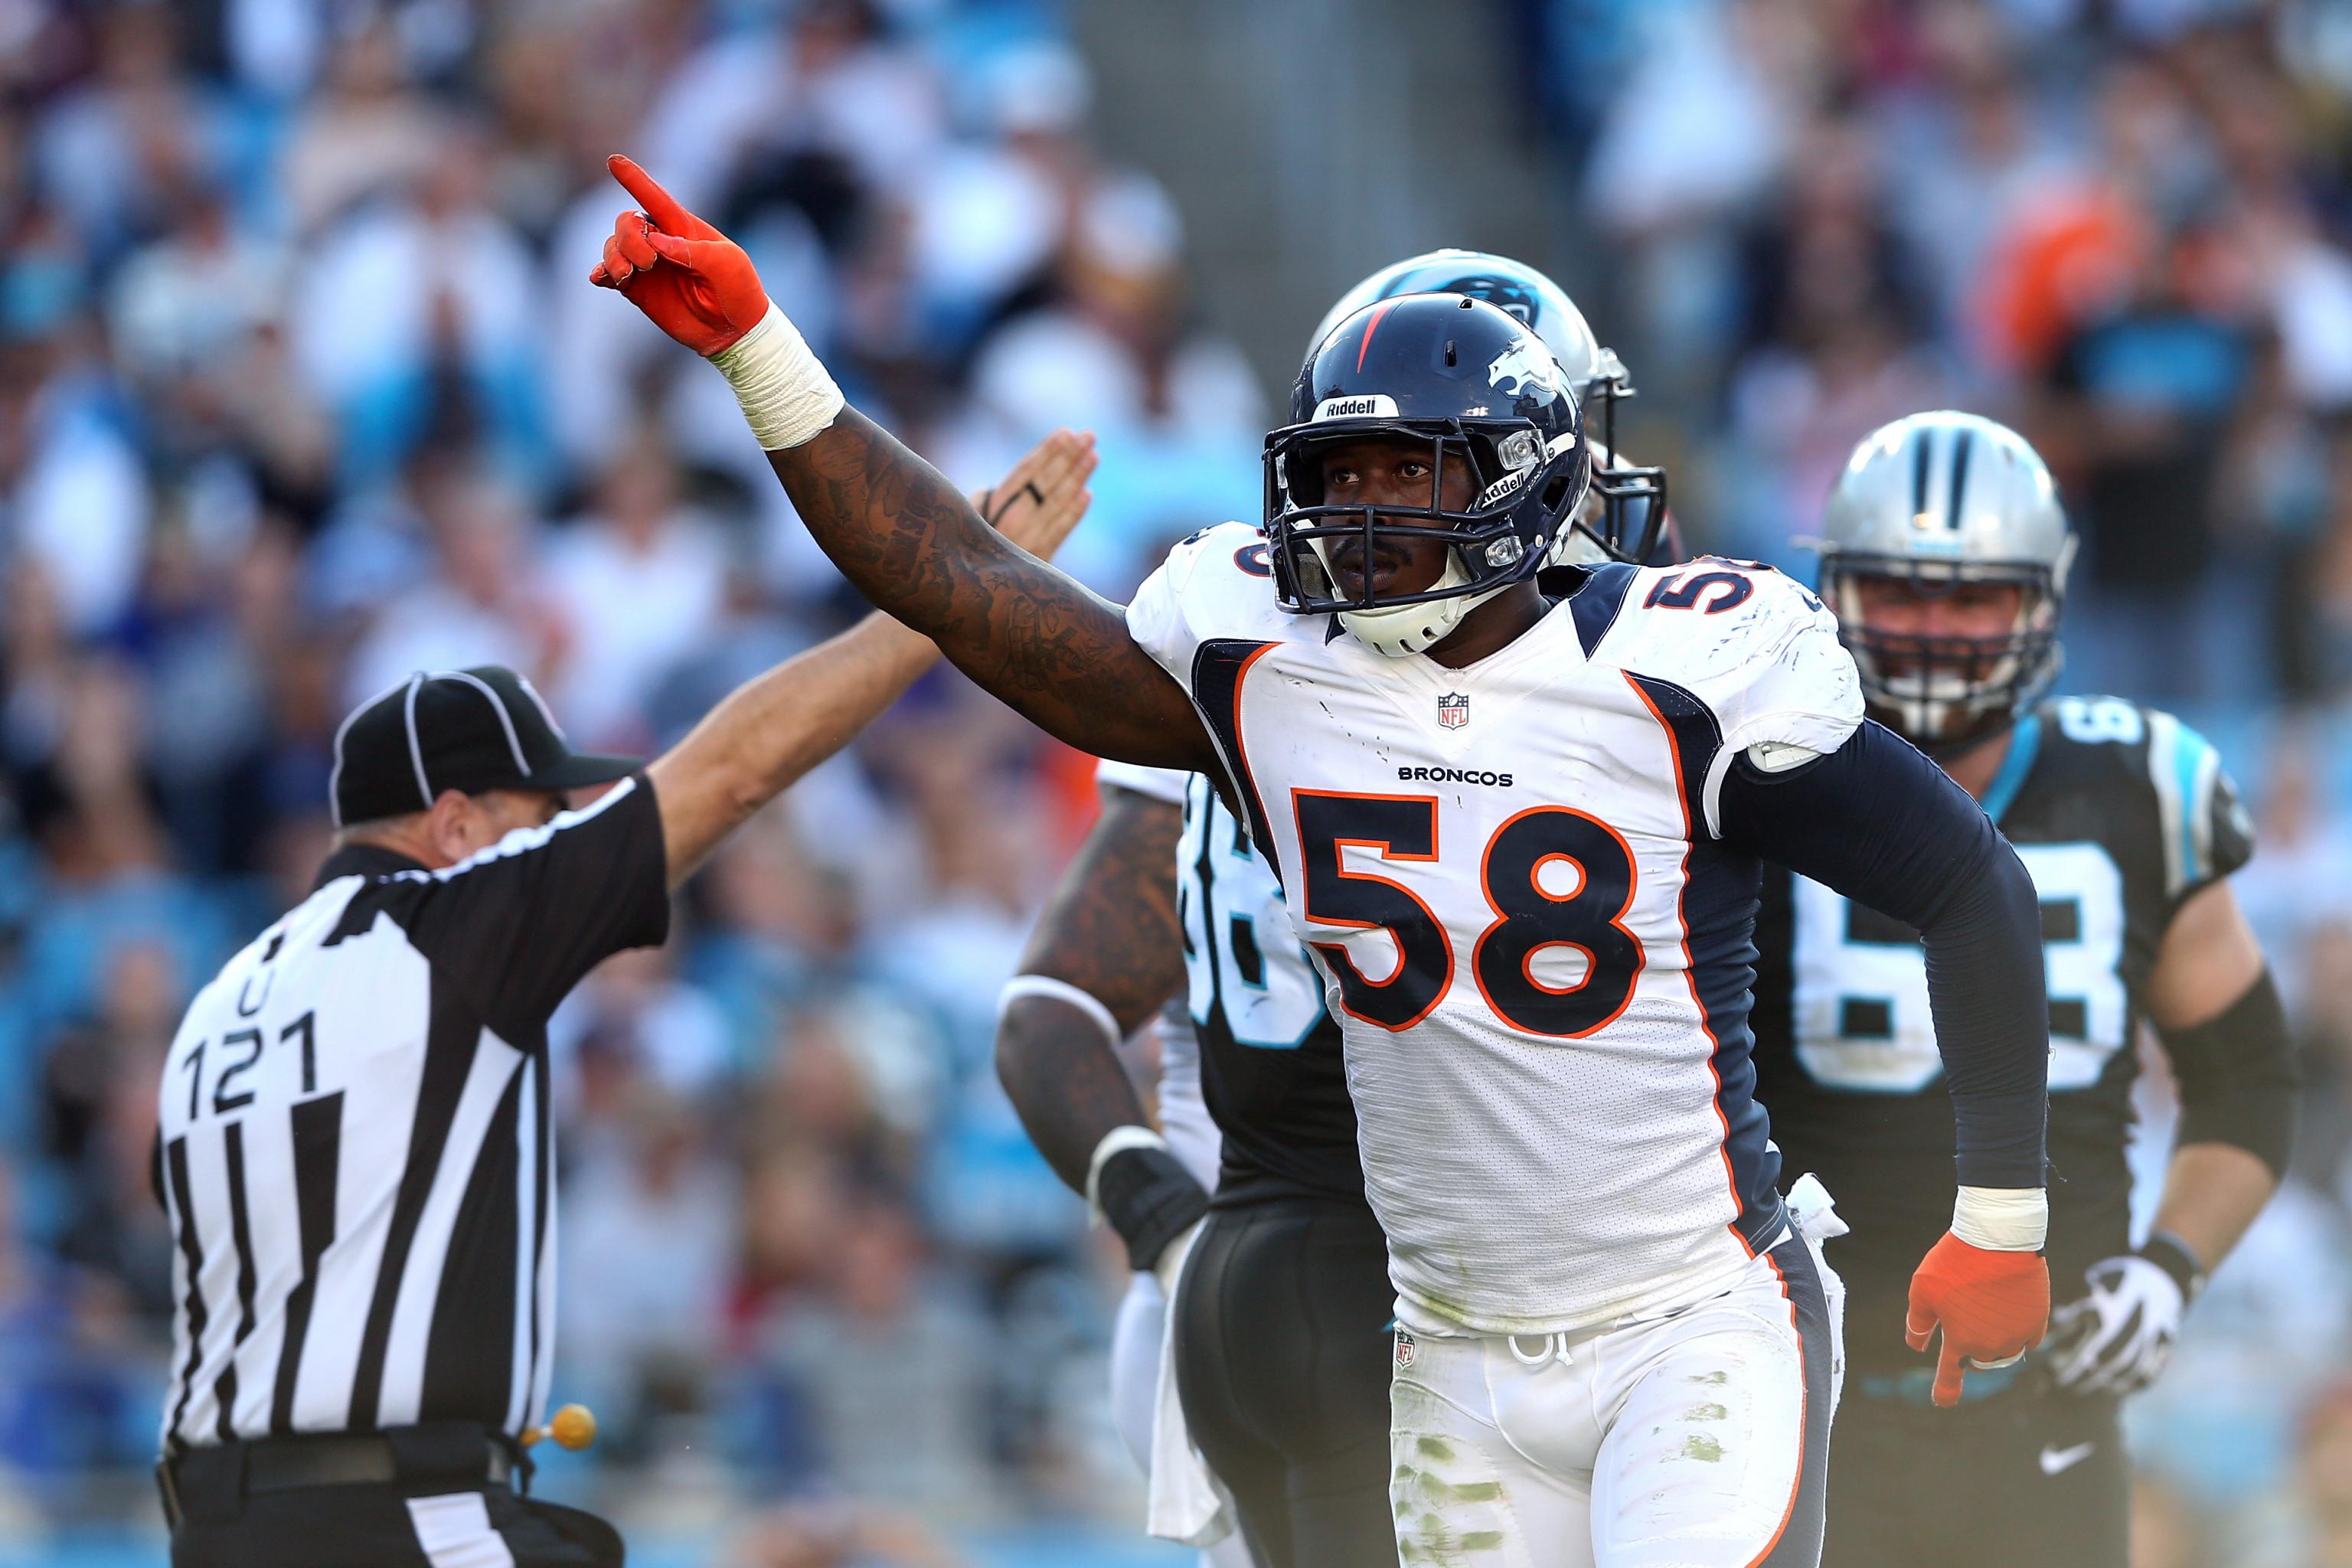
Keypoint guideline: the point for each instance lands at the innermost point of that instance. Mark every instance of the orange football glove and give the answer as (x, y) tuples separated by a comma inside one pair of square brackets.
[(1993, 1307), (694, 282)]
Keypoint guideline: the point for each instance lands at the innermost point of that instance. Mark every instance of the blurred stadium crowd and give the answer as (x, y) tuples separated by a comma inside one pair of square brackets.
[(302, 387)]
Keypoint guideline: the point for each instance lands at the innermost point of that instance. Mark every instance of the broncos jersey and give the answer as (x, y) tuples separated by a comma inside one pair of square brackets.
[(2119, 813), (1536, 946), (1256, 1049)]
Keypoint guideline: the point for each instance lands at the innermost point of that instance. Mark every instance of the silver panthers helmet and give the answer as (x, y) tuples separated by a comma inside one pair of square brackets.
[(1624, 515), (1936, 500)]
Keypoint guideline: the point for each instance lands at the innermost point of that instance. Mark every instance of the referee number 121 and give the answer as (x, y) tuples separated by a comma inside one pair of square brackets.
[(226, 1098)]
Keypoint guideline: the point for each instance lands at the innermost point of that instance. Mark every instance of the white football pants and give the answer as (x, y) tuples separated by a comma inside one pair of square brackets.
[(1697, 1440)]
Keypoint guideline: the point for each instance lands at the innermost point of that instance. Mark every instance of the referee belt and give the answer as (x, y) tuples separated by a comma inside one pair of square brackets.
[(210, 1481)]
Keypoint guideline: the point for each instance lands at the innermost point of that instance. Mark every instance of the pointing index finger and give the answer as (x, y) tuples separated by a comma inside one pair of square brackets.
[(1949, 1378), (658, 204)]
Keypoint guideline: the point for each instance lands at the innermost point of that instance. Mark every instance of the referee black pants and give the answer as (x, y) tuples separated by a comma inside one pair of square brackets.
[(1282, 1359), (428, 1516)]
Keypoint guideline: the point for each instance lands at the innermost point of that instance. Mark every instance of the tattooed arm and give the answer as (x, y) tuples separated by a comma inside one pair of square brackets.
[(1055, 653), (1108, 952), (1058, 655), (1111, 931)]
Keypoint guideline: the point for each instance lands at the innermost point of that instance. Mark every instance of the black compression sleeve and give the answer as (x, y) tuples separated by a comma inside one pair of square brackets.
[(1883, 826), (1150, 1199), (2239, 1083)]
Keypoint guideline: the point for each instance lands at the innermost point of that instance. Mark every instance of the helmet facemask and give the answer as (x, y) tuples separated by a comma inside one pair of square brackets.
[(1943, 693), (1624, 513), (1499, 539)]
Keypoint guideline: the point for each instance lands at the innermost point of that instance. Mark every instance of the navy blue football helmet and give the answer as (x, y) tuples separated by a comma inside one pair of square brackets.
[(1466, 378), (1626, 519)]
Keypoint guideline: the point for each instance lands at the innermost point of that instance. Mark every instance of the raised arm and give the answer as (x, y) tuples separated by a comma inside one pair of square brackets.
[(1882, 824), (1038, 640), (777, 726), (1106, 953)]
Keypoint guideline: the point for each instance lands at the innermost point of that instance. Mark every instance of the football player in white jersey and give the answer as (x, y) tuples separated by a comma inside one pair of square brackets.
[(1521, 837), (1288, 1407)]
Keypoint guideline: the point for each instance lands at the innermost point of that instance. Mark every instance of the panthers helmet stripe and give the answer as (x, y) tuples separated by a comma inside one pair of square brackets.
[(1922, 452), (1371, 325), (1963, 442)]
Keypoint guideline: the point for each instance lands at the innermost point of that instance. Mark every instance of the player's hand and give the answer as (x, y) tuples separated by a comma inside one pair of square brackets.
[(695, 283), (1041, 499), (1992, 1308), (2117, 1339)]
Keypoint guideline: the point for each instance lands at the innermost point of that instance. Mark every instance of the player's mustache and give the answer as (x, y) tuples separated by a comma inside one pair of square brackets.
[(1348, 556)]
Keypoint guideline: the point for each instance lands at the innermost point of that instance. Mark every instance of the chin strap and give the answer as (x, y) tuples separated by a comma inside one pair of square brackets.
[(1400, 630)]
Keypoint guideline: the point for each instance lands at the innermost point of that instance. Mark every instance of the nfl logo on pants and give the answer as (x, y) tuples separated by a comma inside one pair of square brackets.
[(1452, 710)]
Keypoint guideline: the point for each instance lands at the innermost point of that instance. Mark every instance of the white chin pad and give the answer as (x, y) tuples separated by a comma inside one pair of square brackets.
[(1401, 630)]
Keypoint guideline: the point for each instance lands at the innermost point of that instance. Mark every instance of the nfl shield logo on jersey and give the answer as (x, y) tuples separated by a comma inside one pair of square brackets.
[(1452, 710)]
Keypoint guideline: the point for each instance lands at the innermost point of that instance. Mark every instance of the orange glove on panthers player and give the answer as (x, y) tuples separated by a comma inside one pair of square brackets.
[(1992, 1306), (707, 296)]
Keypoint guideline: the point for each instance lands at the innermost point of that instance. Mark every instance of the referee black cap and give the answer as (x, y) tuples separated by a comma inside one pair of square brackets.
[(469, 730)]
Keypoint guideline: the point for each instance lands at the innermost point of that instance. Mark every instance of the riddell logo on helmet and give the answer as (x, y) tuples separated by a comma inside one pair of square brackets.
[(1507, 486), (1371, 405)]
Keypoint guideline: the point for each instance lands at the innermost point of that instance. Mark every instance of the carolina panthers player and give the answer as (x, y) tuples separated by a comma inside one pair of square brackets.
[(1520, 835), (1945, 552), (1289, 1407)]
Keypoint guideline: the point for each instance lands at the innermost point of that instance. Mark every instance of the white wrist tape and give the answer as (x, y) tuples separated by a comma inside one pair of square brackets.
[(1118, 1141), (785, 393), (2002, 1220), (1021, 986)]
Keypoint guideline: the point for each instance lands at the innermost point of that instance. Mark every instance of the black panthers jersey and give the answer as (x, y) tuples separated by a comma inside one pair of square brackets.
[(2119, 813), (1271, 1069)]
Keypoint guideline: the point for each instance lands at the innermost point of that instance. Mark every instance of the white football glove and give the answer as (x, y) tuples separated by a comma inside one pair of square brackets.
[(2117, 1340)]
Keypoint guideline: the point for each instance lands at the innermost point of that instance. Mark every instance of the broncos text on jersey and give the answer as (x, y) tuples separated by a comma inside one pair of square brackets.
[(1542, 984), (2119, 813)]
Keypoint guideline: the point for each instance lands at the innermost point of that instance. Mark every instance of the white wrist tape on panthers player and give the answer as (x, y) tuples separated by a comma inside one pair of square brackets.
[(1118, 1141), (785, 392), (2002, 1220), (1021, 986)]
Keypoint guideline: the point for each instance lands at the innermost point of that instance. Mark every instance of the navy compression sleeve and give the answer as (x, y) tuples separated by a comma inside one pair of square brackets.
[(1883, 826)]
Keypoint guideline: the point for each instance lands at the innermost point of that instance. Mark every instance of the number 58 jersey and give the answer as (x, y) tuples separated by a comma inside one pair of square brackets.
[(1536, 944)]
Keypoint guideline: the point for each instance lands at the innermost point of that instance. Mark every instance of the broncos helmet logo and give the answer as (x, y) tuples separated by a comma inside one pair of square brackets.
[(1525, 366)]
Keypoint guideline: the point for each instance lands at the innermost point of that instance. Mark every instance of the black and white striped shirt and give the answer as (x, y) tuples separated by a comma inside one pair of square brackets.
[(355, 1149)]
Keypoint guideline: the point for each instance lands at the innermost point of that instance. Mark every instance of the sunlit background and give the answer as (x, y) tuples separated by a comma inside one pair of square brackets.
[(303, 387)]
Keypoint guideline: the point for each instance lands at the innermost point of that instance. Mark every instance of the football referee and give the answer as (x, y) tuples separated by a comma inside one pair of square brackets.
[(353, 1151)]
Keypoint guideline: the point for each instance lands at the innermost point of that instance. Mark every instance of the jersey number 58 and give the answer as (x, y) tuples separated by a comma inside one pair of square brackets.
[(1588, 915)]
